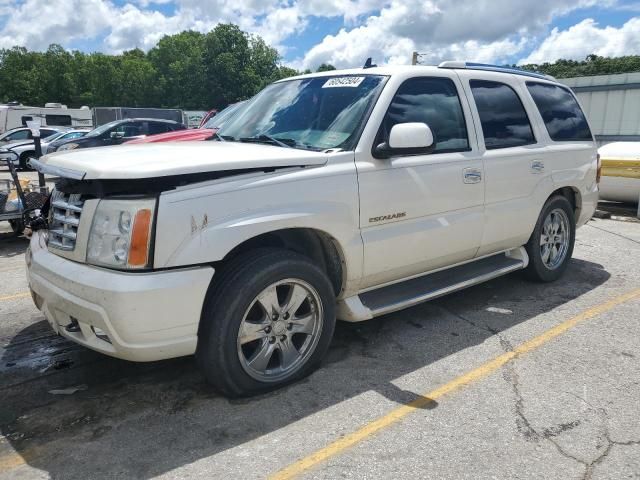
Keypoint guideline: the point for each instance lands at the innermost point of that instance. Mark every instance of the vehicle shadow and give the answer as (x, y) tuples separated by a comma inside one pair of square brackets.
[(141, 420), (12, 245)]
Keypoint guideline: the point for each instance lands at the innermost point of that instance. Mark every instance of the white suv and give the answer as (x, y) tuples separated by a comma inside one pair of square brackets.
[(344, 194)]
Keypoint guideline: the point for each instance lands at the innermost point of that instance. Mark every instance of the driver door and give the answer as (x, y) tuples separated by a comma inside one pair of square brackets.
[(422, 212)]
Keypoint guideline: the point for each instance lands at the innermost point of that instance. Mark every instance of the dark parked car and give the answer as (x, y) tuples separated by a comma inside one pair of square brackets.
[(117, 132), (204, 132)]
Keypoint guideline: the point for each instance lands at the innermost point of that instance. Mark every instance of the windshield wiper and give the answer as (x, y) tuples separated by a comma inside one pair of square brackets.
[(222, 138), (263, 138)]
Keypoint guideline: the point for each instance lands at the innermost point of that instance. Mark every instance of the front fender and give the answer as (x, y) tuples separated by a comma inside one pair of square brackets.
[(203, 224)]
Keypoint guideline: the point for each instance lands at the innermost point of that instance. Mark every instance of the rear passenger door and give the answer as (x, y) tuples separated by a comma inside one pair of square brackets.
[(420, 212), (513, 159)]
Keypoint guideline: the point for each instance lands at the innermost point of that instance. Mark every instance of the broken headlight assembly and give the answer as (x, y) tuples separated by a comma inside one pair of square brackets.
[(121, 232)]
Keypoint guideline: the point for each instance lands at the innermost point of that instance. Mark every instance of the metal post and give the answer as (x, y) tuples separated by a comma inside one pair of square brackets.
[(34, 126), (414, 58), (41, 182)]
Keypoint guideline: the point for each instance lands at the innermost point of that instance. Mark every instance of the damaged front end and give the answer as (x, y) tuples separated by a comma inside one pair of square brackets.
[(110, 223)]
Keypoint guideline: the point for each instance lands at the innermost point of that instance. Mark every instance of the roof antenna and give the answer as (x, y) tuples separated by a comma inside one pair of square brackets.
[(369, 64)]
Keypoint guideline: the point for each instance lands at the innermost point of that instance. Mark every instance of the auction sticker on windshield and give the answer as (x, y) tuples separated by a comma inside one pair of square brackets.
[(343, 82)]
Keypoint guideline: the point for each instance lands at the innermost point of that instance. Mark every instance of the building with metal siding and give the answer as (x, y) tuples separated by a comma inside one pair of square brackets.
[(612, 104)]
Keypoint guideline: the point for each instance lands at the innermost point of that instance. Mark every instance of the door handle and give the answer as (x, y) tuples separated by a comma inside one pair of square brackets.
[(537, 166), (472, 175)]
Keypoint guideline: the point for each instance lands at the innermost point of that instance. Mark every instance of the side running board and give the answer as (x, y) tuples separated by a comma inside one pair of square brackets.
[(411, 292)]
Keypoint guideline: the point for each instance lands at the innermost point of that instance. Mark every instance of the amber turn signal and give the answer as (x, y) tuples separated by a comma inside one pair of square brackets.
[(139, 249)]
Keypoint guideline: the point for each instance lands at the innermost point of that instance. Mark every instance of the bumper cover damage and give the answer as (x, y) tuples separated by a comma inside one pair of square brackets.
[(134, 316)]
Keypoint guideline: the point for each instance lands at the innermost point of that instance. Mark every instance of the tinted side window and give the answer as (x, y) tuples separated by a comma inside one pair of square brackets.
[(155, 128), (129, 129), (504, 120), (561, 113), (433, 101), (62, 120)]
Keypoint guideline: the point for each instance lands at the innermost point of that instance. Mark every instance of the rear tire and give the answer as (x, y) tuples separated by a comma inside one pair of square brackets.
[(268, 321), (551, 244)]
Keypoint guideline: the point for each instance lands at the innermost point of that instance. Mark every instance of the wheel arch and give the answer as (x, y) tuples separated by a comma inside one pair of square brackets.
[(322, 248), (572, 194)]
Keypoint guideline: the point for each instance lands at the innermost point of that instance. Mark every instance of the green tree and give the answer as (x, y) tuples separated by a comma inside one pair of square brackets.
[(591, 65), (179, 63), (325, 67)]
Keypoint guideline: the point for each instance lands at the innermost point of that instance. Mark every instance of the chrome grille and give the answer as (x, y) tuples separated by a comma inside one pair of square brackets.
[(64, 218)]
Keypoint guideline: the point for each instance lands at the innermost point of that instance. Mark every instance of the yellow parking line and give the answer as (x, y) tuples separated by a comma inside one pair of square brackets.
[(14, 296), (13, 460), (474, 375)]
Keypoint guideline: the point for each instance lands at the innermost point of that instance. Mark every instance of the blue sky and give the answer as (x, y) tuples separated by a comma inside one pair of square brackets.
[(342, 32)]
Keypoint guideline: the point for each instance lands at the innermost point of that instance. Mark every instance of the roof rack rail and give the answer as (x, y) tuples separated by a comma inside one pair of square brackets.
[(493, 68)]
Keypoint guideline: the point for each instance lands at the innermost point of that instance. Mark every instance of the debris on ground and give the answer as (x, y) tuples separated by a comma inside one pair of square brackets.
[(69, 390), (503, 311)]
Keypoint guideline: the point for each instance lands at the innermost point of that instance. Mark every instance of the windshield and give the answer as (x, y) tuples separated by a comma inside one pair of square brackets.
[(96, 132), (314, 113), (225, 114), (55, 136)]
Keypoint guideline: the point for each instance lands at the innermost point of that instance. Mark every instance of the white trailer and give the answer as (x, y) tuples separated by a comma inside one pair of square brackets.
[(51, 115)]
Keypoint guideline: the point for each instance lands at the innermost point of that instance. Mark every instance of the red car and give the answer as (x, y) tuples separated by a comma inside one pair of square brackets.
[(205, 132)]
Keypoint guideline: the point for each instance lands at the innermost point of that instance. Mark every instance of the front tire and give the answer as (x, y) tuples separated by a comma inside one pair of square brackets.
[(551, 244), (17, 226), (25, 164), (267, 321)]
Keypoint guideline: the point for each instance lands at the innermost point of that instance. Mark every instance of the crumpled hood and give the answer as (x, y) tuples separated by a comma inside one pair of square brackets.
[(168, 159)]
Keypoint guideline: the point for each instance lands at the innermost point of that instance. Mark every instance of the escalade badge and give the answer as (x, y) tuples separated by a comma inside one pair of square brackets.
[(391, 216)]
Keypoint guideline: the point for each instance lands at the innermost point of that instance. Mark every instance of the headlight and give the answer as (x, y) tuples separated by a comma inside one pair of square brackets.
[(68, 146), (120, 235)]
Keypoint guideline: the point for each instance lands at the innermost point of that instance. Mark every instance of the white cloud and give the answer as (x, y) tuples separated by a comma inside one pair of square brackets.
[(481, 30), (586, 38), (37, 24), (132, 27)]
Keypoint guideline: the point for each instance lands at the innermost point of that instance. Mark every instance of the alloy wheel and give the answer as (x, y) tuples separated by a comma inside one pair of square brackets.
[(555, 238), (280, 330)]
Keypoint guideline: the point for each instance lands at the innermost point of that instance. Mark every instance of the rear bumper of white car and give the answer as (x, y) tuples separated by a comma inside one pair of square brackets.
[(133, 316)]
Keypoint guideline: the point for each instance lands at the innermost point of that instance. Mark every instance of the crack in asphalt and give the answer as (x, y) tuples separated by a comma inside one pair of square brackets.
[(613, 233), (523, 424)]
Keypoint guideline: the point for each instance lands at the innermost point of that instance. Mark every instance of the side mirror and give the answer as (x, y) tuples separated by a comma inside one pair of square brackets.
[(117, 135), (407, 139)]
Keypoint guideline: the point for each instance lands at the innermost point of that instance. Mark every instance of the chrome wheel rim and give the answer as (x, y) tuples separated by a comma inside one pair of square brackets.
[(554, 239), (280, 330)]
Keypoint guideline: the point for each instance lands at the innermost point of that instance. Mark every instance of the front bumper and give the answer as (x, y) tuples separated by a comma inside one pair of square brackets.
[(146, 316), (13, 157)]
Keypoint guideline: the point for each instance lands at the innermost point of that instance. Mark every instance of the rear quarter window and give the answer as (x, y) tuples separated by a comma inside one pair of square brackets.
[(560, 112)]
